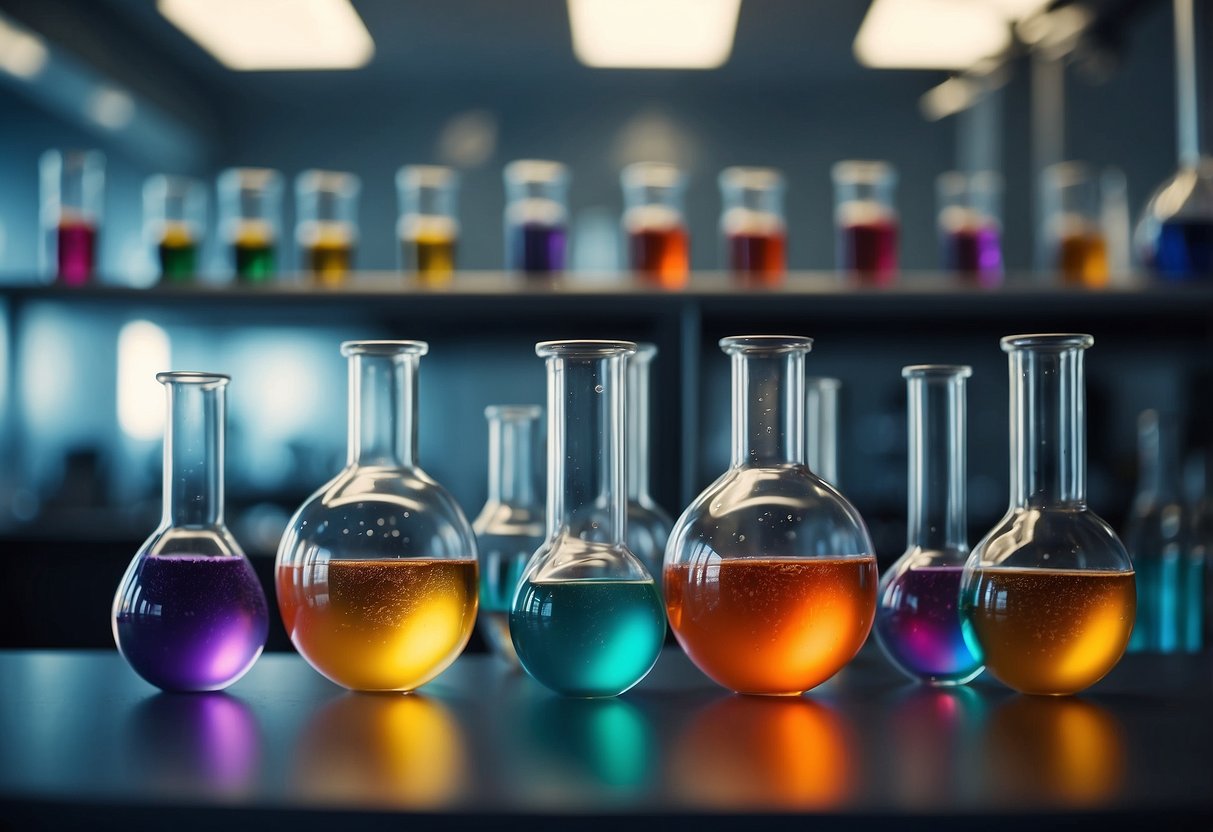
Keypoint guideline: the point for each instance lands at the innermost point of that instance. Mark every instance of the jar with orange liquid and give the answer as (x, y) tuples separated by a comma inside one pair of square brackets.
[(770, 576), (752, 225), (327, 230), (654, 224), (1048, 597), (1078, 250), (376, 573)]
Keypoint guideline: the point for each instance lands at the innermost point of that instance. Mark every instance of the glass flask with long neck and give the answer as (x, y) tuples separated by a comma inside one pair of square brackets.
[(770, 576), (1158, 538), (648, 524), (377, 575), (190, 614), (587, 619), (918, 620), (821, 419), (1048, 596), (510, 526)]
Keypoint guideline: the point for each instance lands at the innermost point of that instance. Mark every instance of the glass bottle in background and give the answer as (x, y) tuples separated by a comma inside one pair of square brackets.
[(970, 226), (1157, 538), (654, 223), (648, 524), (918, 617), (429, 221), (1072, 225), (866, 221), (752, 224), (326, 223), (174, 222), (73, 201), (1198, 586), (821, 420), (376, 573), (536, 216), (587, 619), (770, 576), (1048, 595), (250, 219), (510, 526), (190, 614)]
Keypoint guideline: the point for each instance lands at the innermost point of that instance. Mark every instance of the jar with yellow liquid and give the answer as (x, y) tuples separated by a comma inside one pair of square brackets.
[(326, 207), (429, 222), (1048, 597), (376, 573)]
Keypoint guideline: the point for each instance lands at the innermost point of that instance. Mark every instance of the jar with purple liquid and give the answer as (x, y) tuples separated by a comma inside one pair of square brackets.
[(190, 614), (970, 232), (917, 617), (536, 216)]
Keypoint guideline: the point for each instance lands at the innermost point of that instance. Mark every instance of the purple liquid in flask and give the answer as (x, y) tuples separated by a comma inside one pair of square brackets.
[(540, 248)]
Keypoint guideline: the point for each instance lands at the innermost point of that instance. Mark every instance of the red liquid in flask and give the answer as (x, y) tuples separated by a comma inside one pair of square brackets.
[(758, 256), (660, 254), (867, 248), (77, 245)]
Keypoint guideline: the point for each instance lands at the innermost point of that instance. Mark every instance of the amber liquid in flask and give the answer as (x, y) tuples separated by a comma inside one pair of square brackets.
[(658, 242), (1048, 596), (770, 580), (377, 575)]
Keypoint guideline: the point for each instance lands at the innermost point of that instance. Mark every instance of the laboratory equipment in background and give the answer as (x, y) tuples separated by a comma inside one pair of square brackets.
[(174, 224), (821, 422), (1048, 595), (770, 576), (1199, 588), (250, 221), (970, 225), (648, 523), (376, 573), (428, 227), (866, 221), (326, 223), (587, 620), (1170, 579), (918, 615), (509, 529), (752, 225), (1072, 229), (536, 216), (654, 224), (190, 614), (72, 184)]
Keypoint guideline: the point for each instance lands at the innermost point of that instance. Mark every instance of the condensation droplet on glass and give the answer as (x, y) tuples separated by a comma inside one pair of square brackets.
[(741, 538), (370, 532), (380, 521), (597, 388)]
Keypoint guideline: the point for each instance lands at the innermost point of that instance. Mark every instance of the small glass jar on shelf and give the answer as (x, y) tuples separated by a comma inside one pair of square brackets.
[(752, 225), (250, 222), (326, 226), (654, 224), (970, 226), (428, 227), (536, 217), (174, 223), (1072, 230), (73, 203), (866, 221)]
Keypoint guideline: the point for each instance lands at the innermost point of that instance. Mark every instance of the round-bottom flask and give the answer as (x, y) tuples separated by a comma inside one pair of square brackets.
[(918, 616), (587, 619), (1048, 596), (377, 575), (1175, 234), (770, 579), (190, 614)]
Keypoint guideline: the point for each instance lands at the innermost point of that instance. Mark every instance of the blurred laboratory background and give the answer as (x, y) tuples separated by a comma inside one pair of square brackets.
[(239, 185)]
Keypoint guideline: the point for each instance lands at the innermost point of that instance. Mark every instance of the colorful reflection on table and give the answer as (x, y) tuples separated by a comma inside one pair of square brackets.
[(934, 734)]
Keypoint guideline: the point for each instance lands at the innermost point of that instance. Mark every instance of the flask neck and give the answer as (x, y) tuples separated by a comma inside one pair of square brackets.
[(821, 451), (586, 496), (511, 460), (1048, 427), (193, 453), (637, 427), (383, 410), (936, 518), (1159, 474), (768, 408)]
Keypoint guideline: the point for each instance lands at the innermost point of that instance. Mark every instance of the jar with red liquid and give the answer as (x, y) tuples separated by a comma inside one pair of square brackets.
[(326, 224), (970, 231), (866, 221), (174, 224), (73, 197), (250, 222), (770, 575), (1074, 240), (654, 224), (536, 216), (752, 224)]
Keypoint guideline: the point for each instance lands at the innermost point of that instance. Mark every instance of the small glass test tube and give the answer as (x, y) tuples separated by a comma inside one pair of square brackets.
[(654, 224), (752, 224), (970, 227), (326, 228), (174, 223), (1072, 228), (536, 216), (866, 220), (250, 219), (73, 195), (429, 222)]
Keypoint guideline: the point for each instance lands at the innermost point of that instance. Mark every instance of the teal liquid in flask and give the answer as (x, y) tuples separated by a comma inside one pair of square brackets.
[(587, 619)]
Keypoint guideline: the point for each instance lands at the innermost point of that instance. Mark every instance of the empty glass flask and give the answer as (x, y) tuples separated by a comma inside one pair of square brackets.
[(377, 575), (648, 523), (770, 576), (190, 614)]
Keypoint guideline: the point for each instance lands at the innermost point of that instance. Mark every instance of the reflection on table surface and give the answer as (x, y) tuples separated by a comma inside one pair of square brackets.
[(81, 726)]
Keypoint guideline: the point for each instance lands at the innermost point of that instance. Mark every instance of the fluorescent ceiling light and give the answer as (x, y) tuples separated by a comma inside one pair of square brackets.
[(1018, 9), (930, 34), (22, 53), (653, 34), (275, 34)]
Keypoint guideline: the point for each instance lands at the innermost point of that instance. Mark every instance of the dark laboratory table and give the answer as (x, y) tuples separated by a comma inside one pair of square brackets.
[(84, 743)]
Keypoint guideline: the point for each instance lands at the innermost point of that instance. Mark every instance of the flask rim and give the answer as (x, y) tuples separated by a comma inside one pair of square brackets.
[(822, 383), (584, 349), (937, 371), (737, 344), (350, 348), (513, 411), (204, 379), (1048, 341)]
